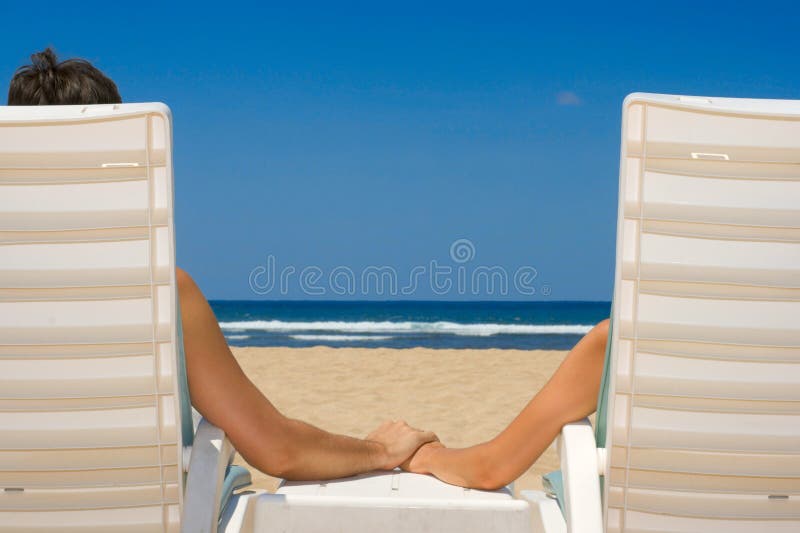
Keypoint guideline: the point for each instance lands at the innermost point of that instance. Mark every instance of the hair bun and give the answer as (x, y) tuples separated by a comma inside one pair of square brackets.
[(44, 61)]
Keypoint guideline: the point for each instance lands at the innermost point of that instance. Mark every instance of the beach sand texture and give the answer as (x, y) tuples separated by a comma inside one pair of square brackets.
[(465, 396)]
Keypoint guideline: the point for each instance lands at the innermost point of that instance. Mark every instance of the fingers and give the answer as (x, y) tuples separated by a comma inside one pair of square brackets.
[(427, 436), (422, 435), (400, 441)]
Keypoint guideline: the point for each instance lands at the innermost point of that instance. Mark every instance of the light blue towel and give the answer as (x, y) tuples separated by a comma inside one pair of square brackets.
[(187, 428)]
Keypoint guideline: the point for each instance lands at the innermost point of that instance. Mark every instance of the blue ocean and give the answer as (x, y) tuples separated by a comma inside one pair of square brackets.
[(408, 324)]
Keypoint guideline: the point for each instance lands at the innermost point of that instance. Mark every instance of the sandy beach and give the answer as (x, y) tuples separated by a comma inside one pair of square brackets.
[(465, 396)]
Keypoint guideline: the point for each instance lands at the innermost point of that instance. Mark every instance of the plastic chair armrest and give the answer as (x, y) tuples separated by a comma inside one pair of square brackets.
[(546, 517), (211, 454), (583, 508)]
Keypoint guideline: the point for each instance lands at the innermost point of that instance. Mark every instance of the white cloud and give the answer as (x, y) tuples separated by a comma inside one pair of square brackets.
[(568, 98)]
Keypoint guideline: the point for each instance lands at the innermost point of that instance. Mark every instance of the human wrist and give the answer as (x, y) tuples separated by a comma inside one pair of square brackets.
[(425, 458), (378, 454)]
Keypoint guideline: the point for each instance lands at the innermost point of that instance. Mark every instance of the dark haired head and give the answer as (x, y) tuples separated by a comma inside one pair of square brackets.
[(47, 82)]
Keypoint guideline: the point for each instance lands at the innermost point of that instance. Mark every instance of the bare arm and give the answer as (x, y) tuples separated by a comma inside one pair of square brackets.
[(271, 442), (571, 394)]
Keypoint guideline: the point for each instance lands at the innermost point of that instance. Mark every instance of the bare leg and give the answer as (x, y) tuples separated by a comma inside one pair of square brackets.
[(266, 439), (570, 395)]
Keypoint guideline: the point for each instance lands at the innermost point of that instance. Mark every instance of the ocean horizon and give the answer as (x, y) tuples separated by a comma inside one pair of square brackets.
[(408, 323)]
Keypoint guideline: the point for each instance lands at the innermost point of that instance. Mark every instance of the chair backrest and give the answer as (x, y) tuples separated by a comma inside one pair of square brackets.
[(89, 415), (704, 416)]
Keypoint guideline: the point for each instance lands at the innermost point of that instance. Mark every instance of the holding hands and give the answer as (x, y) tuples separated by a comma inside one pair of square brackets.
[(399, 442), (419, 462)]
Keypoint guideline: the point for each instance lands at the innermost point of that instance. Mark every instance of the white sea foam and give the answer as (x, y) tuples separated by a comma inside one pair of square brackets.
[(447, 328), (237, 337), (341, 338)]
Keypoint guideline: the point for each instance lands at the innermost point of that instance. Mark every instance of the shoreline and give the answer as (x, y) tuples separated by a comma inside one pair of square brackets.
[(352, 390)]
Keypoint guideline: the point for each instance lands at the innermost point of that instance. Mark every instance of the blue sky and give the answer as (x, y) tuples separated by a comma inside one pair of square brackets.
[(361, 134)]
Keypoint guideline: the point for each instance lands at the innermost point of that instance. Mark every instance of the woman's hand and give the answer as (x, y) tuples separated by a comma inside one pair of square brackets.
[(420, 462), (399, 442)]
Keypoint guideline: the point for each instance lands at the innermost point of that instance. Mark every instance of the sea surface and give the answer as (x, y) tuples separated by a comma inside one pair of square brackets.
[(406, 324)]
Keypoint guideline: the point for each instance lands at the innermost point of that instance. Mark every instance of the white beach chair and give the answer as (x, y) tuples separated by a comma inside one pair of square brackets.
[(703, 368), (390, 502), (95, 421)]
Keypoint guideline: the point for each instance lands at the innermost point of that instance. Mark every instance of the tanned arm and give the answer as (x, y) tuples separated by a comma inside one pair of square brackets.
[(570, 395), (269, 441)]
